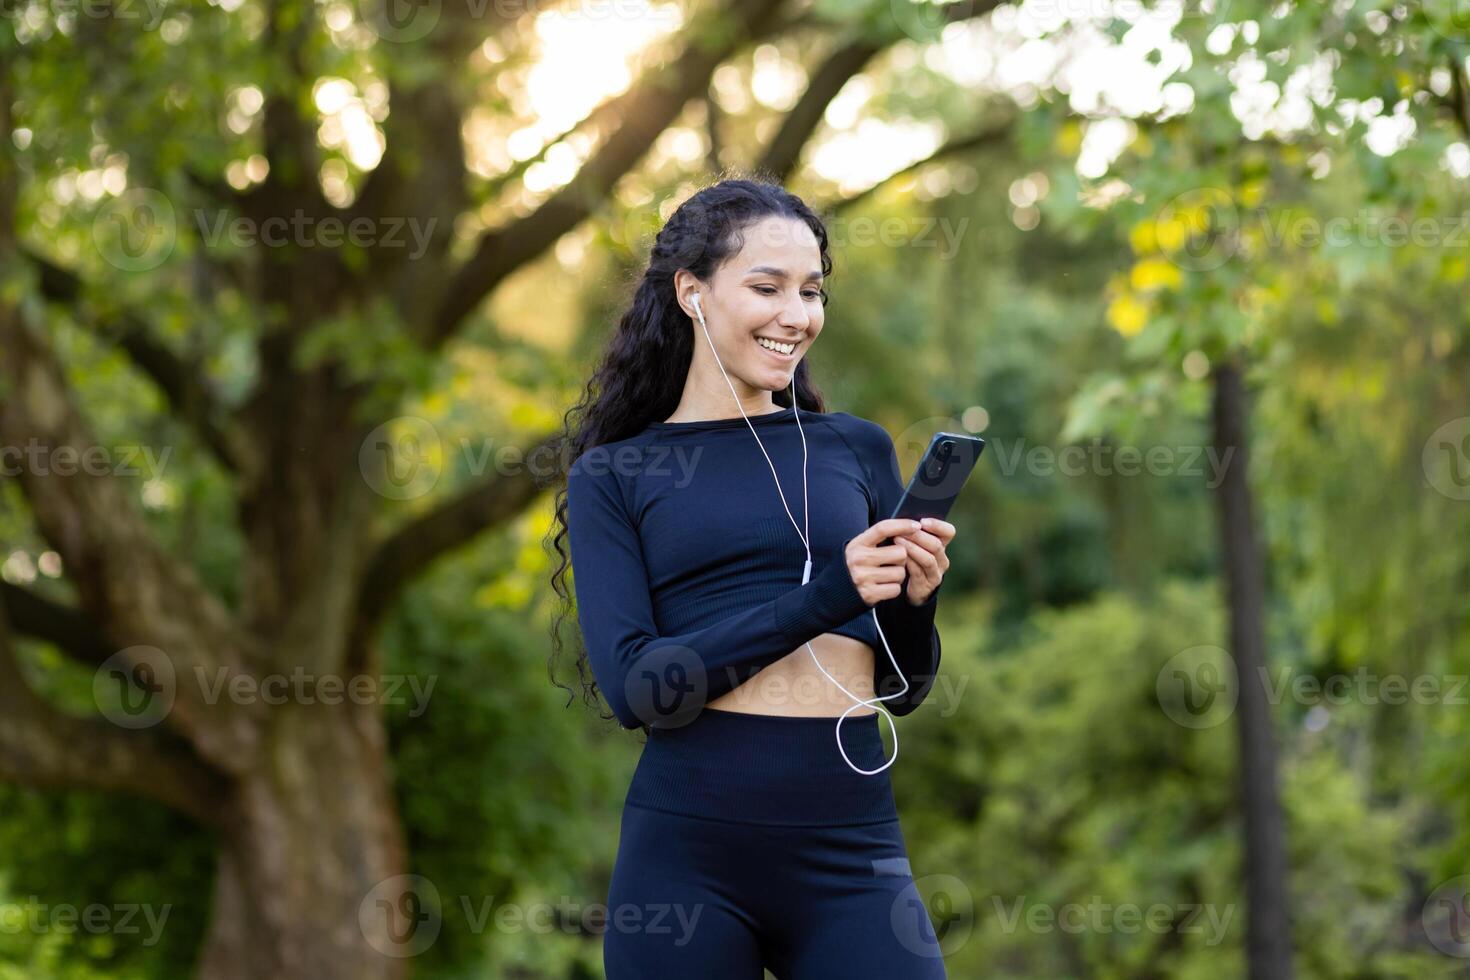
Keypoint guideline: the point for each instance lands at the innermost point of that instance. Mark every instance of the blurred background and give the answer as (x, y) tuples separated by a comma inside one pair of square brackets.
[(293, 296)]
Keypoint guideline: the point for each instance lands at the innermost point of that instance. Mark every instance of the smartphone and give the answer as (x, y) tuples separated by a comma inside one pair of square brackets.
[(941, 473)]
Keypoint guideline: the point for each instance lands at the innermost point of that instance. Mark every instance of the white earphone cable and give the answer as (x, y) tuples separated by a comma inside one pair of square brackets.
[(807, 569)]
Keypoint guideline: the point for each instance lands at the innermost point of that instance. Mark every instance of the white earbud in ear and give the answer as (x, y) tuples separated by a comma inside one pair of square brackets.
[(694, 298)]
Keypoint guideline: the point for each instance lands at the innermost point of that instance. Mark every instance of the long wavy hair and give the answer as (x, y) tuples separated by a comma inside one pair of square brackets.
[(640, 376)]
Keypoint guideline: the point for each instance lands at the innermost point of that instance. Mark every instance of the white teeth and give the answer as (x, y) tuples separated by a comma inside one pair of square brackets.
[(773, 345)]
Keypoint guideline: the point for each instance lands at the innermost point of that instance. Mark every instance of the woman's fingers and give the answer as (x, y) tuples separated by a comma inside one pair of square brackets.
[(890, 528), (922, 557), (927, 541), (940, 529)]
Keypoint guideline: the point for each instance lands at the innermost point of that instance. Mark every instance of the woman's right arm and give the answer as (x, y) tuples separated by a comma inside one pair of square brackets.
[(660, 680)]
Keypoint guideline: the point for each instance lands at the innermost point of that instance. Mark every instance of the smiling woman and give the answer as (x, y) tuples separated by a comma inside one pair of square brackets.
[(699, 599), (767, 296)]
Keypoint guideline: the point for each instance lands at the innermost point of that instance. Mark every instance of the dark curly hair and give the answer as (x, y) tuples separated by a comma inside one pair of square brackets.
[(640, 378)]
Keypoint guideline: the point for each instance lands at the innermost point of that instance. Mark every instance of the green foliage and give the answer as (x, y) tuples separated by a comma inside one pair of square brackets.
[(510, 794), (97, 887), (1046, 777)]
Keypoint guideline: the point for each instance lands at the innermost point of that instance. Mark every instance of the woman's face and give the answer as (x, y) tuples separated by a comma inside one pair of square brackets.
[(766, 293)]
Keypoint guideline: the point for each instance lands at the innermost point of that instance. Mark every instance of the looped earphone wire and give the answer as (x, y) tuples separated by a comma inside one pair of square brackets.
[(807, 569)]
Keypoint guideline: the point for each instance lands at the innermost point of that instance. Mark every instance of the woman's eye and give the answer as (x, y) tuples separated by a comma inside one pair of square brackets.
[(770, 291)]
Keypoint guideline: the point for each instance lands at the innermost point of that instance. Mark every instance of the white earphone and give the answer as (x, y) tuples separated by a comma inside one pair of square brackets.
[(806, 571)]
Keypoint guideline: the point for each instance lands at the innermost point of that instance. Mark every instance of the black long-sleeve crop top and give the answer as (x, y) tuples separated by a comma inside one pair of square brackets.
[(687, 570)]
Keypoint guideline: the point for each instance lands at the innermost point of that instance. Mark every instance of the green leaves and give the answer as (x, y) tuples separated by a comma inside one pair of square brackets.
[(372, 344)]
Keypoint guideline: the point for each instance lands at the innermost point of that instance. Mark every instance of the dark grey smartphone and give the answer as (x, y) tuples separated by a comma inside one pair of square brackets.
[(940, 475)]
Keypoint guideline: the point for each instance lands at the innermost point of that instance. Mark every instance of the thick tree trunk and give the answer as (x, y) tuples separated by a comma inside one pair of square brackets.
[(308, 885), (1268, 925)]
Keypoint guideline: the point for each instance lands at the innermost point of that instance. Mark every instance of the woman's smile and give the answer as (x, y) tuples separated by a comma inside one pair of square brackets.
[(783, 352)]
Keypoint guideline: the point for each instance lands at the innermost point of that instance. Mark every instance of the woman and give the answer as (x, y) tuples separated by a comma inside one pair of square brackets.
[(721, 611)]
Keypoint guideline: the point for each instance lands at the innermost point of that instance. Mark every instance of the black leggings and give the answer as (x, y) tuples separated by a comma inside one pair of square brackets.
[(747, 844)]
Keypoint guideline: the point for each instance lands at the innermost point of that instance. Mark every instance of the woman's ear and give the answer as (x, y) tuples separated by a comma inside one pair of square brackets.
[(686, 287)]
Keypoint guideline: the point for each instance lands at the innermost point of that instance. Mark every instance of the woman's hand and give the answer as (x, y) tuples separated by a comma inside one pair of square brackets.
[(877, 569), (925, 558), (918, 552)]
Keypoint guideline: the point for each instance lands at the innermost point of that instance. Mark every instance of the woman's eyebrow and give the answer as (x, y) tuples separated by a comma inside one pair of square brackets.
[(779, 273)]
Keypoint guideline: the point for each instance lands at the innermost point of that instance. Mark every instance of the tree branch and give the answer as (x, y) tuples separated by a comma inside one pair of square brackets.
[(605, 115), (845, 61), (69, 629), (189, 394), (712, 130), (43, 748), (422, 173), (217, 191), (411, 549), (955, 146), (1459, 100), (9, 175), (421, 177), (128, 585), (290, 139), (652, 104)]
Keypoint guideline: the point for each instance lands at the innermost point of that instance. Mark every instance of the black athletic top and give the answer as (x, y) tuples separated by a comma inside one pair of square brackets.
[(687, 569)]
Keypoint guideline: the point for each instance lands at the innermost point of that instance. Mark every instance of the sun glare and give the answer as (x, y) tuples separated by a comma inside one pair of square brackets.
[(587, 57)]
